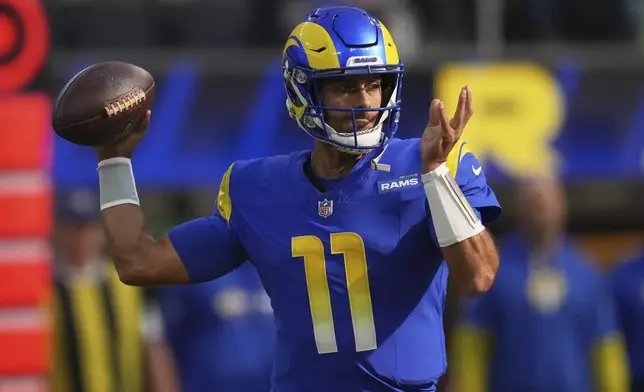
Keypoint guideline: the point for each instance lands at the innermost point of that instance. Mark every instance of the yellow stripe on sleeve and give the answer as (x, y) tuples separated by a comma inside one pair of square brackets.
[(224, 203), (470, 359), (610, 365)]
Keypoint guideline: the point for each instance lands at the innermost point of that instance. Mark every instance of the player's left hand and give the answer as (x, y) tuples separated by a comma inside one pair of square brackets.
[(441, 134)]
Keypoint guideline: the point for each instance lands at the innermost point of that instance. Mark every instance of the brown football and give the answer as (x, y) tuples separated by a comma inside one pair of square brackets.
[(103, 103)]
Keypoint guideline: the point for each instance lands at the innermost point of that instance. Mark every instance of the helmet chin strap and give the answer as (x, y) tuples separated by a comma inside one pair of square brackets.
[(347, 150), (356, 151), (337, 137)]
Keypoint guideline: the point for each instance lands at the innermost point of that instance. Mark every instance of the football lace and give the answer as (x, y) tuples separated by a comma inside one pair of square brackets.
[(126, 102)]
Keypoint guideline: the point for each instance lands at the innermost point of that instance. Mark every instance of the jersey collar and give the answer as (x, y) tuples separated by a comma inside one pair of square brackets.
[(347, 186)]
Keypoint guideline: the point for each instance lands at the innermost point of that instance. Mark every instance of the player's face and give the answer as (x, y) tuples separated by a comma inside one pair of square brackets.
[(542, 208), (359, 92)]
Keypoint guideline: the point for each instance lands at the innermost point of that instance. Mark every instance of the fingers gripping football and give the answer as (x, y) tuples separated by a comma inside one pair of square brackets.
[(126, 146)]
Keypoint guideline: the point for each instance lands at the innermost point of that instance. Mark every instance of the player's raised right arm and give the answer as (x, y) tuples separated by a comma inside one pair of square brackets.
[(138, 258), (196, 251)]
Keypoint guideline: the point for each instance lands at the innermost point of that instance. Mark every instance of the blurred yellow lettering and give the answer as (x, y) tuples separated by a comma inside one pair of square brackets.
[(518, 110)]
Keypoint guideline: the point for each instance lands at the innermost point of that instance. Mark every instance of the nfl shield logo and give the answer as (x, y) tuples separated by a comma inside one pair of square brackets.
[(325, 208)]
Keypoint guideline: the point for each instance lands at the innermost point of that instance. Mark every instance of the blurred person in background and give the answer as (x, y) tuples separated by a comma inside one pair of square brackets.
[(548, 323), (627, 281), (222, 333), (105, 338)]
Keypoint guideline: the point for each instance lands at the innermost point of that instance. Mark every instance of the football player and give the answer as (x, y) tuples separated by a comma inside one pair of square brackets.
[(353, 240), (627, 284)]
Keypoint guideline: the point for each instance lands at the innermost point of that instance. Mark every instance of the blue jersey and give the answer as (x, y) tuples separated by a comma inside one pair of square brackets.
[(543, 320), (628, 287), (356, 278), (221, 333)]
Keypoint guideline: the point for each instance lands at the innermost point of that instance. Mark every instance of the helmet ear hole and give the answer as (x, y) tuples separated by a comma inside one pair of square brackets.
[(295, 98)]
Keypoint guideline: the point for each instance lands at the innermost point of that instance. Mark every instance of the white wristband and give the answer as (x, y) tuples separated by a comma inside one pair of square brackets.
[(116, 181), (453, 217)]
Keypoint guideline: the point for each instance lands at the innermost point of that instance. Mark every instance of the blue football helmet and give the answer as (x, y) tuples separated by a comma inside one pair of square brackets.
[(335, 42)]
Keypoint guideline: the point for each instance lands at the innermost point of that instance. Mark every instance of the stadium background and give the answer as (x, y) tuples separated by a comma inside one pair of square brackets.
[(554, 89)]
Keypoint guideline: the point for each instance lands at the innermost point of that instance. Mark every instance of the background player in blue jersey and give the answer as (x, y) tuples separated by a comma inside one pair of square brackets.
[(221, 332), (352, 240), (549, 323), (627, 283)]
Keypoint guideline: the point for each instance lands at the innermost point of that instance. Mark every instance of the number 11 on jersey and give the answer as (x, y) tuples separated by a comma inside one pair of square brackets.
[(351, 246)]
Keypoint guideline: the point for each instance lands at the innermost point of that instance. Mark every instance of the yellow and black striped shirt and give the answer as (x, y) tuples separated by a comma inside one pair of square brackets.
[(97, 343)]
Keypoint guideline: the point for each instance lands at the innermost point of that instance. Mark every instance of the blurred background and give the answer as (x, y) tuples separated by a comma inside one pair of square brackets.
[(559, 128)]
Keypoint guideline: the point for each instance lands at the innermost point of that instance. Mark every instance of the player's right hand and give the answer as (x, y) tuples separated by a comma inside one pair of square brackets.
[(125, 147), (441, 134)]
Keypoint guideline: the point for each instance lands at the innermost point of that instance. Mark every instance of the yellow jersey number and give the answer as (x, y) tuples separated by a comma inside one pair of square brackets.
[(351, 246)]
